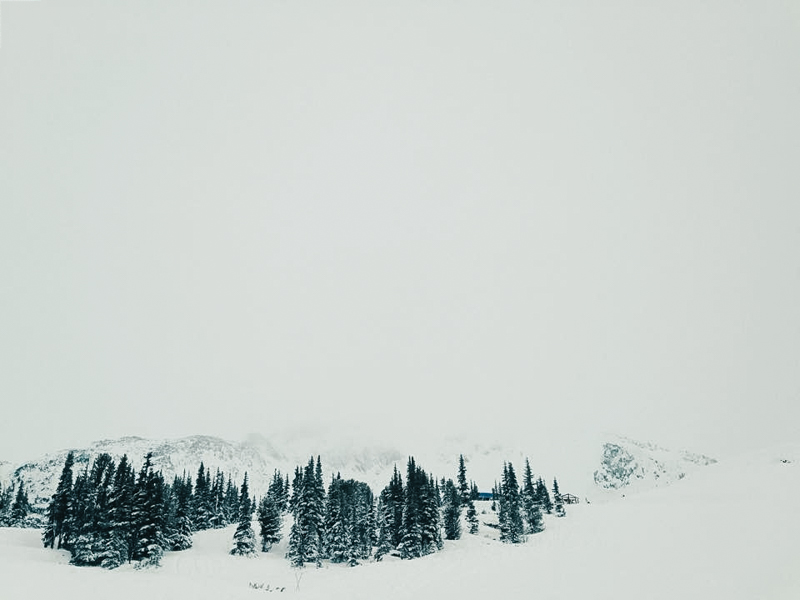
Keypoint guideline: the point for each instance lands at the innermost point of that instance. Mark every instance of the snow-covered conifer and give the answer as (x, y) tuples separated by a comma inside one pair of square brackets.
[(452, 511), (270, 522), (57, 510), (244, 539), (530, 502)]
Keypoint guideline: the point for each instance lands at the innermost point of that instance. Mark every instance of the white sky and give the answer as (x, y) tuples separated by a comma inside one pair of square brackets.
[(237, 216)]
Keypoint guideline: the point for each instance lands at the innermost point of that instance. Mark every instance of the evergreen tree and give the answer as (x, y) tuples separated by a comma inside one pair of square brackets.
[(431, 517), (276, 491), (21, 506), (316, 513), (57, 511), (147, 515), (472, 517), (544, 496), (91, 517), (421, 528), (308, 498), (463, 486), (396, 503), (510, 519), (558, 501), (107, 553), (452, 510), (411, 544), (298, 545), (220, 516), (120, 506), (391, 503), (384, 512), (180, 528), (350, 521), (338, 532), (244, 540), (231, 502), (530, 502), (270, 522), (468, 494), (76, 510), (202, 502), (5, 509), (297, 489)]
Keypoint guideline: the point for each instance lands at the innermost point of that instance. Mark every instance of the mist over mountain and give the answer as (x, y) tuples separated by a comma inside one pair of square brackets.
[(595, 467)]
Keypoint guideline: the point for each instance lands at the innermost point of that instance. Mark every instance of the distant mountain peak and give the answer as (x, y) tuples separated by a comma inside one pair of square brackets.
[(634, 464)]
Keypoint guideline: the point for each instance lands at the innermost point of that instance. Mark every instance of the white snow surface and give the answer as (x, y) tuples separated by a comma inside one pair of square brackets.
[(728, 531)]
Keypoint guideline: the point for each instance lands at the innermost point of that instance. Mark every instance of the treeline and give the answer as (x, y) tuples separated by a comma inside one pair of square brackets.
[(15, 509), (520, 507), (110, 515)]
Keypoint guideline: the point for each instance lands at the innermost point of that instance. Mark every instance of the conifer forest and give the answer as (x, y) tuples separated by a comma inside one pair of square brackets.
[(110, 513)]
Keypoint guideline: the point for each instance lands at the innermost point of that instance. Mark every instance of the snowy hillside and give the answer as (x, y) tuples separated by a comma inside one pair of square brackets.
[(173, 457), (707, 536), (590, 466), (627, 463)]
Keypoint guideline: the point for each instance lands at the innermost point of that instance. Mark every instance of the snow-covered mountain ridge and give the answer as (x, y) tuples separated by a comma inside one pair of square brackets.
[(598, 468), (629, 463)]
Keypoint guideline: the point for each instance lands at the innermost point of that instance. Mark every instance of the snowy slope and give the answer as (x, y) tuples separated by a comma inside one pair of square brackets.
[(170, 456), (589, 466), (727, 531)]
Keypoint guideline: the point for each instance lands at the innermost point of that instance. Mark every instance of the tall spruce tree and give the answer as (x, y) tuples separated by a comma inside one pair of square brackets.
[(202, 502), (510, 519), (452, 511), (91, 524), (5, 508), (20, 507), (308, 497), (468, 495), (544, 496), (297, 489), (432, 523), (530, 502), (411, 544), (180, 530), (270, 522), (57, 510), (558, 501), (349, 521), (472, 517), (338, 527), (147, 516), (244, 539), (391, 504), (276, 491), (421, 527), (463, 486), (384, 545), (220, 515), (107, 551), (120, 507)]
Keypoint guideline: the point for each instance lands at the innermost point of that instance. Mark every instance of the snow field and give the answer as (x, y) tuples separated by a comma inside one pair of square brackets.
[(731, 531)]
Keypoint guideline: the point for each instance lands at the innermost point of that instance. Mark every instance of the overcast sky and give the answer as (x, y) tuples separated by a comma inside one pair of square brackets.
[(237, 216)]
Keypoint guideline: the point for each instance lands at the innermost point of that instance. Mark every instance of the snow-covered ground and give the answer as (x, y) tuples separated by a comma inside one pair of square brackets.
[(729, 531)]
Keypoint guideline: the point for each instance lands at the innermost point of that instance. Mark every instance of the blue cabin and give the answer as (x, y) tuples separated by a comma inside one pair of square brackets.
[(485, 496)]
